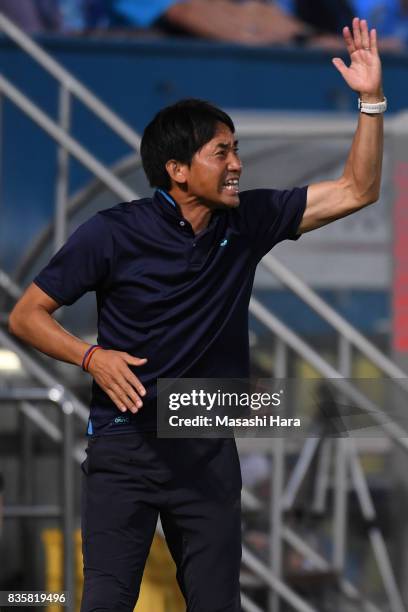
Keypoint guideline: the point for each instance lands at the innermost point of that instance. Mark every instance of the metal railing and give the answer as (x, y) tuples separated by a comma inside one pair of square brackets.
[(349, 334), (66, 510), (70, 83), (64, 140), (69, 87), (75, 203), (347, 461)]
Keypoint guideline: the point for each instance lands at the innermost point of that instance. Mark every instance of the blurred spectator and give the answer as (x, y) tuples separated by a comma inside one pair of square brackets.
[(33, 16), (327, 18), (248, 22), (254, 22), (389, 17), (324, 15), (136, 13), (73, 18)]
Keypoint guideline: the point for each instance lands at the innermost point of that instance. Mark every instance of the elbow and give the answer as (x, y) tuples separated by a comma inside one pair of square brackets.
[(366, 197), (375, 197), (370, 198), (360, 195), (372, 194), (15, 323), (12, 323)]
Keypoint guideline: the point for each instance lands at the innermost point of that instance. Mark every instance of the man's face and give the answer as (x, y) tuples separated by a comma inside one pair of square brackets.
[(213, 176)]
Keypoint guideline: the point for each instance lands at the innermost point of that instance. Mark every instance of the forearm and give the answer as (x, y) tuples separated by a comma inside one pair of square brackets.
[(44, 333), (247, 23), (32, 321), (197, 17), (363, 167)]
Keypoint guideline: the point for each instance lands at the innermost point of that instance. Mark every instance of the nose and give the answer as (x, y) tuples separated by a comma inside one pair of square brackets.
[(234, 162)]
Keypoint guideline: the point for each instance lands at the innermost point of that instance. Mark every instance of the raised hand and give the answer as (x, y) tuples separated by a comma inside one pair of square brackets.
[(110, 369), (364, 73)]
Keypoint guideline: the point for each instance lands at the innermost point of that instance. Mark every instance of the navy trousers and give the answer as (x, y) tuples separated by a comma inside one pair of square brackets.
[(194, 486)]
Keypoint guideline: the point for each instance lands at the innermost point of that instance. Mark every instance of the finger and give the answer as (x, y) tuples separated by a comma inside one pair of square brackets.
[(340, 65), (348, 40), (365, 38), (132, 395), (124, 399), (116, 400), (137, 361), (373, 40), (134, 381), (357, 33)]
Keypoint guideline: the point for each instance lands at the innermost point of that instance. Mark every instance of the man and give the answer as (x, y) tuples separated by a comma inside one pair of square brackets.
[(173, 277)]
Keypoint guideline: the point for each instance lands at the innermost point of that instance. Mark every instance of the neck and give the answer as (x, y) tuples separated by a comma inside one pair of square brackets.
[(194, 211)]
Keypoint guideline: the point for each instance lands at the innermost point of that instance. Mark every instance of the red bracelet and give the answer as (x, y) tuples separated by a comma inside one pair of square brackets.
[(88, 356)]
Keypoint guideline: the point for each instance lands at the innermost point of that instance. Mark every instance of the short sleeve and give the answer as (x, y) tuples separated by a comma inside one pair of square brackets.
[(83, 264), (271, 216)]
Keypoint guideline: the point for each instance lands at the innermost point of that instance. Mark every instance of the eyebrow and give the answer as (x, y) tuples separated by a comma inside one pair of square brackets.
[(226, 145)]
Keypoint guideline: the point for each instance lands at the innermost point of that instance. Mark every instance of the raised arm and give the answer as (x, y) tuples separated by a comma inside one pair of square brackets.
[(360, 183)]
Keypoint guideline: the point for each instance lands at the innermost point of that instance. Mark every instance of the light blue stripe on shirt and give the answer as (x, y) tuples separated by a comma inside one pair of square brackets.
[(140, 12), (168, 197)]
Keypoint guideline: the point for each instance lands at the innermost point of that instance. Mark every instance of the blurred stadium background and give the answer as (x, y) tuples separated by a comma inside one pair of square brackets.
[(325, 518)]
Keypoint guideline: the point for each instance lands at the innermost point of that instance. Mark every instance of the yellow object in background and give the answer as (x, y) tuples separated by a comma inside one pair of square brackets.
[(159, 590), (52, 540)]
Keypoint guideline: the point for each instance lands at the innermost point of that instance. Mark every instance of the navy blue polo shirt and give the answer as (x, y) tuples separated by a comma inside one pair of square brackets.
[(179, 299)]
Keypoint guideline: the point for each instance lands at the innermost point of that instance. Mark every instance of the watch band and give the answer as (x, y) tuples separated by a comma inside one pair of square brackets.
[(372, 109)]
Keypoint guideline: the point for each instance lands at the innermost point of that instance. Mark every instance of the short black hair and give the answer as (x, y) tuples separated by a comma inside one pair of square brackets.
[(178, 132)]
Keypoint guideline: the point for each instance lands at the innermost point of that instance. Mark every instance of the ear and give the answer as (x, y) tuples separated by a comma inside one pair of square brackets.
[(177, 171)]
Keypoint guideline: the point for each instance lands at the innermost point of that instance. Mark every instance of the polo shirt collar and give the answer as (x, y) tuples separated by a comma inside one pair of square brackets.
[(168, 207), (168, 197)]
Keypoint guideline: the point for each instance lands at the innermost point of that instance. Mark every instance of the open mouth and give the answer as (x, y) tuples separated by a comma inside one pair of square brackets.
[(232, 186)]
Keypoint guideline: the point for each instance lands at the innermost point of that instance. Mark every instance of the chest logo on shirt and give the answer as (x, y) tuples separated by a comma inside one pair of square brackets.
[(224, 242), (121, 420)]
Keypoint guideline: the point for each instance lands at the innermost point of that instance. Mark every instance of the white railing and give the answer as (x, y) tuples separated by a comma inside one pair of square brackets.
[(69, 87)]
